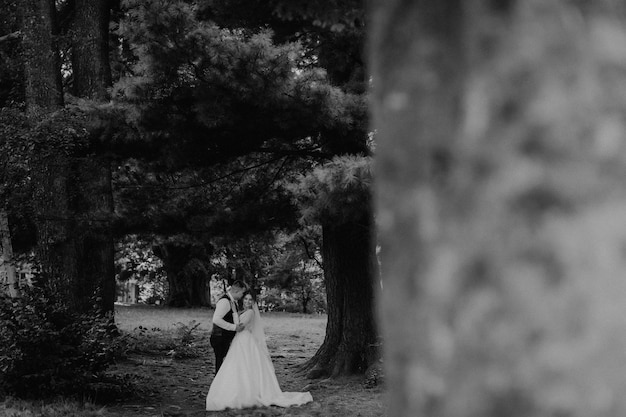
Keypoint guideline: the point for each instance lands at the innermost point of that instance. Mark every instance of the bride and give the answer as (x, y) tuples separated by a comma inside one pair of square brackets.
[(247, 377)]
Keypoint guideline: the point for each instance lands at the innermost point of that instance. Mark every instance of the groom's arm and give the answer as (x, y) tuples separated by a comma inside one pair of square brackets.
[(221, 308)]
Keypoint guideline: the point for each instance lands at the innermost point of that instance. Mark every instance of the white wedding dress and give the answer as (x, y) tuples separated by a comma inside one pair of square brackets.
[(247, 377)]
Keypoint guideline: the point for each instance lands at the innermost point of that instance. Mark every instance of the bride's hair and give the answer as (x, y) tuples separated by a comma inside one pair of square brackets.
[(247, 292), (252, 294)]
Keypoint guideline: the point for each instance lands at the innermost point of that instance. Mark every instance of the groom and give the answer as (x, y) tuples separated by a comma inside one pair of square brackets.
[(226, 322)]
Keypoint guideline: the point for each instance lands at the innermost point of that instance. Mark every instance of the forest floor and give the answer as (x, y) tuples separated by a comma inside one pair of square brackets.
[(177, 386)]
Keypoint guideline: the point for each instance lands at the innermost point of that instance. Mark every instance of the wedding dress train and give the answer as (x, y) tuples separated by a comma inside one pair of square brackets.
[(247, 377)]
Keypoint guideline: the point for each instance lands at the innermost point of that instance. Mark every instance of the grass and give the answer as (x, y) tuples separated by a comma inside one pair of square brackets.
[(130, 317), (171, 386), (59, 408)]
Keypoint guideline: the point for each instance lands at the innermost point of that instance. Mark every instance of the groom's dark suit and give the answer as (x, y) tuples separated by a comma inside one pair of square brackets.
[(220, 337)]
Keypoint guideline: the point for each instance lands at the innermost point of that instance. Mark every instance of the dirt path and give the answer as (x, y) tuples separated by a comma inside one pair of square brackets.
[(178, 387)]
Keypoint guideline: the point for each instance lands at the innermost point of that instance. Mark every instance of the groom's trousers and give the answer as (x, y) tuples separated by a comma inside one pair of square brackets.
[(220, 344)]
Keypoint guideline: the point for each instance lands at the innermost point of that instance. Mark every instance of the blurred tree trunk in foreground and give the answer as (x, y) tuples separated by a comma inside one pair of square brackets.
[(501, 153)]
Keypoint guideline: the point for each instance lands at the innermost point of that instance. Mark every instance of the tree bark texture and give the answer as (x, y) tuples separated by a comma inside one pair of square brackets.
[(95, 250), (349, 346), (50, 171), (42, 63), (188, 279), (91, 79), (8, 263), (90, 49), (75, 243), (417, 69), (500, 201)]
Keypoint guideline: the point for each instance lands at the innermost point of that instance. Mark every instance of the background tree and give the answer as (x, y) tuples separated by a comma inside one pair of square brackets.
[(184, 261), (67, 185), (43, 96), (16, 213), (91, 79), (332, 35), (11, 71), (337, 196), (48, 340), (260, 97), (217, 153), (202, 95), (225, 211)]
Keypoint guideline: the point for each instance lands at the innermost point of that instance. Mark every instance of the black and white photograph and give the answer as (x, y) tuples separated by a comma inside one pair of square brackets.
[(358, 208)]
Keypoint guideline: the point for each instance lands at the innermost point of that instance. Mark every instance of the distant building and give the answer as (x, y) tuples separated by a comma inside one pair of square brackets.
[(128, 291), (23, 271)]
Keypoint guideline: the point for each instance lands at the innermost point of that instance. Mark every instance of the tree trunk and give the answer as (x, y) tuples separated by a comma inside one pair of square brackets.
[(305, 290), (187, 290), (200, 294), (349, 346), (42, 64), (305, 298), (91, 79), (187, 278), (500, 202), (8, 264), (90, 49), (417, 70), (93, 233), (43, 93), (174, 260)]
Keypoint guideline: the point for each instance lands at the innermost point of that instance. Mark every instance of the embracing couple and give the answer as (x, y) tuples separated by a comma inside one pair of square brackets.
[(244, 373)]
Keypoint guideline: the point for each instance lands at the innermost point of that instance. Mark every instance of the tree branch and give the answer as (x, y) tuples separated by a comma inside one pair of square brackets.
[(309, 254), (11, 36), (273, 180), (203, 183)]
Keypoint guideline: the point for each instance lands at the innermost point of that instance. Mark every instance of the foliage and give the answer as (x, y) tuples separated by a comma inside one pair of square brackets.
[(230, 113), (208, 94), (182, 343), (331, 14), (332, 33), (293, 301), (25, 146), (337, 191), (185, 337), (135, 259), (244, 258), (15, 180), (147, 341), (283, 268), (66, 132), (48, 350), (223, 116), (374, 375), (294, 280)]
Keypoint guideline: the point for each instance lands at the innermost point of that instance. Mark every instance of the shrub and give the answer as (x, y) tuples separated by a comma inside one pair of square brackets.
[(48, 350), (185, 342)]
